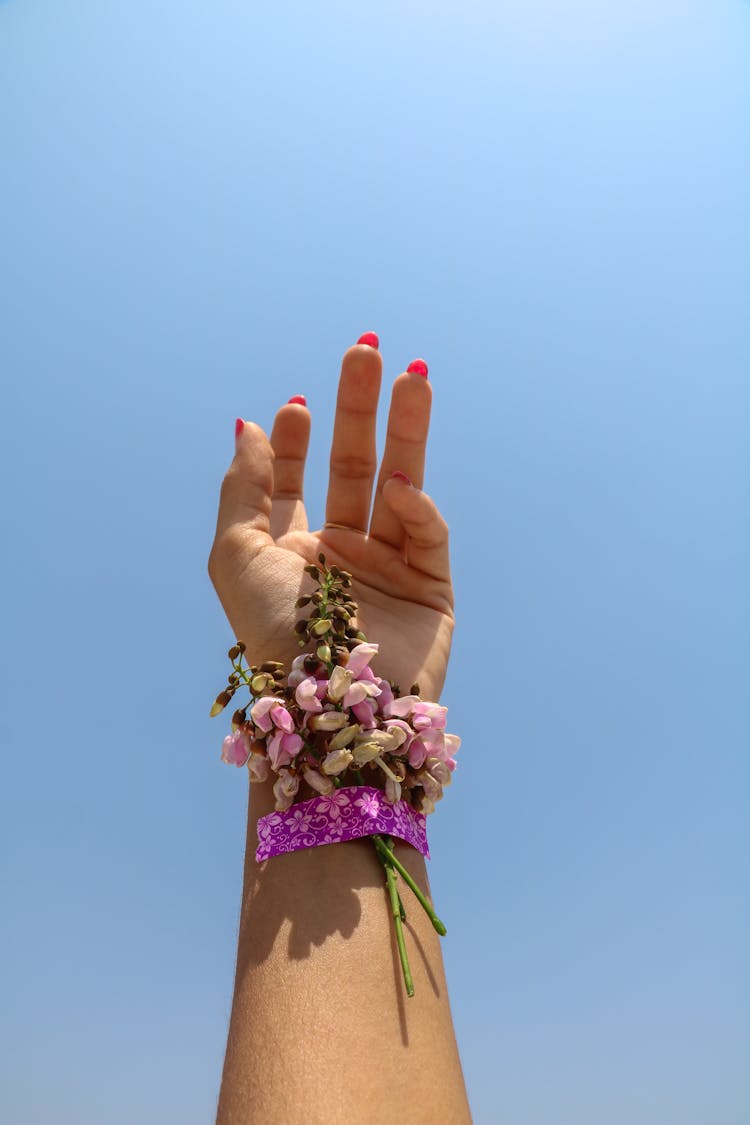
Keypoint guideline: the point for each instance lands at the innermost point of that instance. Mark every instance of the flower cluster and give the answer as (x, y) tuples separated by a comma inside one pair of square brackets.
[(334, 721)]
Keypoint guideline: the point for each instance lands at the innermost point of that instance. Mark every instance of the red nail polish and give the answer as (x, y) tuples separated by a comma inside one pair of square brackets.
[(418, 367), (239, 426), (402, 476), (299, 399), (371, 339)]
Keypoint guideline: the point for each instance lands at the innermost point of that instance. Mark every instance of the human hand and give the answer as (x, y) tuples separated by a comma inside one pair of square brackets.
[(397, 554)]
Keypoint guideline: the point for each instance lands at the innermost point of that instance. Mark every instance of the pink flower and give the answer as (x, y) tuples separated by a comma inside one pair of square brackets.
[(282, 748), (428, 715), (235, 749), (360, 690), (402, 707), (260, 712), (306, 695), (364, 714), (386, 695), (282, 719), (447, 749), (427, 743), (359, 658)]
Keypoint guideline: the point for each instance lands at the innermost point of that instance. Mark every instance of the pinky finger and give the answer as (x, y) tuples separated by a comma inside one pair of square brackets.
[(426, 531)]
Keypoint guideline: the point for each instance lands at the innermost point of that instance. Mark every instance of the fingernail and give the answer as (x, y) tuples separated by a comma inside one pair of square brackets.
[(371, 339), (418, 367), (402, 476), (239, 426), (299, 399)]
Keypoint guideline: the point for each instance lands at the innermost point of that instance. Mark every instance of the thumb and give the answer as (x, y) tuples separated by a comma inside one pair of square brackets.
[(243, 522)]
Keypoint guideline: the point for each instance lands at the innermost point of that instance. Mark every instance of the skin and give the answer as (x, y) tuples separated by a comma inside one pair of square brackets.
[(321, 1029)]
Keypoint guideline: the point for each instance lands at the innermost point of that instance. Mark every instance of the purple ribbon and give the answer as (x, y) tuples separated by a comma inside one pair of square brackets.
[(345, 814)]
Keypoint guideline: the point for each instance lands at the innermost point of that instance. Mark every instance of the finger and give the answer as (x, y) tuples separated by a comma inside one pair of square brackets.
[(405, 445), (353, 456), (289, 441), (424, 530), (243, 523)]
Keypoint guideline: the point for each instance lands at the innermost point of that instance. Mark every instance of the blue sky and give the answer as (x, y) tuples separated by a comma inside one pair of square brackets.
[(203, 206)]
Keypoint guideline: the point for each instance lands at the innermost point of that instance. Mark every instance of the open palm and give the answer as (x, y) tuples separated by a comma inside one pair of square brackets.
[(397, 553)]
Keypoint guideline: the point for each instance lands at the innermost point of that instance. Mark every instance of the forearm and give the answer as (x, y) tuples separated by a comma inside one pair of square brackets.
[(321, 1027)]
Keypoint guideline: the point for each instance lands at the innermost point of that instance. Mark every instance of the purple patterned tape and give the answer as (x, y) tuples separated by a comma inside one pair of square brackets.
[(346, 814)]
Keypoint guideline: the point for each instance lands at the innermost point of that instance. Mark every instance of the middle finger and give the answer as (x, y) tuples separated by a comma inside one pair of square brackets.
[(353, 455)]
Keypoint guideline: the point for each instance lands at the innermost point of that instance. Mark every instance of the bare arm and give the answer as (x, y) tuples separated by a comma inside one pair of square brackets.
[(321, 1027)]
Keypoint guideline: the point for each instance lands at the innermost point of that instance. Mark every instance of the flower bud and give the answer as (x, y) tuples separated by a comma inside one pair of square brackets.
[(323, 653), (321, 627), (398, 769), (433, 790), (220, 702), (285, 789), (364, 752), (343, 737), (259, 683), (318, 782), (234, 652), (238, 718), (339, 684), (257, 767), (440, 771), (336, 762), (392, 791), (328, 720)]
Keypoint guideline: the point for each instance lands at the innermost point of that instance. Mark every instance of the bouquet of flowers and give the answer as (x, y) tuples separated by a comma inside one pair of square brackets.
[(331, 724)]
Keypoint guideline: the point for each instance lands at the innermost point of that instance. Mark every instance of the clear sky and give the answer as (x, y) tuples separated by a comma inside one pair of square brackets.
[(203, 206)]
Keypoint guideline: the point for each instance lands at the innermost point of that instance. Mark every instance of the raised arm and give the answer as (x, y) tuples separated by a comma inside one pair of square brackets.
[(321, 1027)]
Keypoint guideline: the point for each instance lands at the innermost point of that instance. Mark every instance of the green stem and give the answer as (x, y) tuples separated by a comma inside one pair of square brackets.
[(387, 853), (397, 909)]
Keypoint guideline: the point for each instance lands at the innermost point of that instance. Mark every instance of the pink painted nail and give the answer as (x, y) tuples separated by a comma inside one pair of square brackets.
[(402, 476), (418, 367), (299, 399), (239, 426), (371, 339)]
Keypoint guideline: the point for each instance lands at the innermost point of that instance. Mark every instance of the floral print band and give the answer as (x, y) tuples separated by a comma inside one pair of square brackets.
[(346, 814)]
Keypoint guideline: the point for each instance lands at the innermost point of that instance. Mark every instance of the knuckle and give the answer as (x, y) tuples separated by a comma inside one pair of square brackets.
[(352, 467), (226, 547)]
